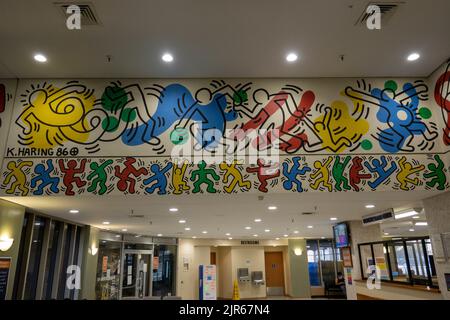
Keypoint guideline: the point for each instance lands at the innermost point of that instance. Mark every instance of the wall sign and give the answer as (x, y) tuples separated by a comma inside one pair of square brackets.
[(346, 254), (5, 266)]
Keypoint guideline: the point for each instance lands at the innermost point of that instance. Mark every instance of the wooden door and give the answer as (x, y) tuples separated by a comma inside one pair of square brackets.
[(212, 258), (274, 269)]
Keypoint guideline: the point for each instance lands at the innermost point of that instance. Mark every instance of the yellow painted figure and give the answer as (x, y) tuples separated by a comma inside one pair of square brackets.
[(322, 170), (53, 116), (407, 169), (238, 179), (338, 128), (19, 176), (178, 181)]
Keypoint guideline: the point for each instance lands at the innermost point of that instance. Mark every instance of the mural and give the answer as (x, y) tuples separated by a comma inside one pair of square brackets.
[(73, 137), (7, 89), (130, 175)]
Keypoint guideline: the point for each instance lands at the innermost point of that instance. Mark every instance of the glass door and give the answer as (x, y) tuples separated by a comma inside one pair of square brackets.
[(136, 274)]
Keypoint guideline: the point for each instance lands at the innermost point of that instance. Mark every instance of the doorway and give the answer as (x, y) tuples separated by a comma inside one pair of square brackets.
[(137, 274), (274, 273)]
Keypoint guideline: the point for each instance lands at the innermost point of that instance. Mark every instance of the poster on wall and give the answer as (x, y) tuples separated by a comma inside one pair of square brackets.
[(347, 257), (348, 274), (5, 266), (381, 264), (207, 282)]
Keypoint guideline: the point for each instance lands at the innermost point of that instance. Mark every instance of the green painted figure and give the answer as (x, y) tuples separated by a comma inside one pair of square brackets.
[(101, 176), (338, 173), (436, 174), (202, 178)]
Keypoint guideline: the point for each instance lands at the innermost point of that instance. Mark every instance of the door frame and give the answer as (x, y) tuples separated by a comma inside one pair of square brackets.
[(122, 269)]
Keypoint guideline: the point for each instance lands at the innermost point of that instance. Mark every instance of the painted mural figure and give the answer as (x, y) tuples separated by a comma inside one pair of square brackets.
[(293, 173), (159, 175), (98, 176), (70, 175), (379, 168), (324, 173), (126, 181), (237, 178), (281, 112), (52, 116), (178, 180), (400, 112), (355, 175), (264, 172), (407, 169), (328, 139), (436, 174), (176, 105), (43, 175), (20, 178), (338, 173), (200, 176), (442, 98)]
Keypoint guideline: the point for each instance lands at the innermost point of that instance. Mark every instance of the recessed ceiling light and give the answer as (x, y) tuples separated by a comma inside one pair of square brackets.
[(40, 57), (248, 228), (258, 220), (137, 236), (103, 241), (421, 223), (296, 231), (230, 238), (322, 237), (285, 235), (267, 230), (194, 237), (277, 238), (413, 56), (74, 211), (205, 232), (272, 207), (291, 57), (167, 57), (124, 230), (370, 206), (386, 233), (117, 235), (173, 209), (187, 229), (181, 221), (333, 219), (106, 222), (255, 235), (412, 230), (416, 217), (310, 227), (159, 234), (228, 234)]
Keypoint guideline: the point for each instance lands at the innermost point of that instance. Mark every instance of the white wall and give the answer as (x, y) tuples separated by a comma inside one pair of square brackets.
[(253, 259)]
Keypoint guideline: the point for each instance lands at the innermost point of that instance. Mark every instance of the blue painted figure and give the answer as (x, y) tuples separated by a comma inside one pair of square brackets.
[(379, 168), (293, 173), (159, 175), (176, 105), (402, 117), (43, 176)]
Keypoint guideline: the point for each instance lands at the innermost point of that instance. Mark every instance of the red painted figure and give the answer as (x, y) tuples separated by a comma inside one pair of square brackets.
[(69, 175), (355, 175), (263, 172), (124, 176)]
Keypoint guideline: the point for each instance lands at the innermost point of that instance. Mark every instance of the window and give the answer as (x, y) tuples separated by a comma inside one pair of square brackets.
[(313, 262), (164, 275), (406, 260), (324, 261), (47, 248)]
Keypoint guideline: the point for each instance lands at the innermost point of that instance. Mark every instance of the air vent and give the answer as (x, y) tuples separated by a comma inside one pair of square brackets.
[(387, 10), (307, 213), (87, 11), (378, 217)]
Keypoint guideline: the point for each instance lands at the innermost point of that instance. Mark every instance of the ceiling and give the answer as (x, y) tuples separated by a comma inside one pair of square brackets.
[(221, 214), (222, 39)]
